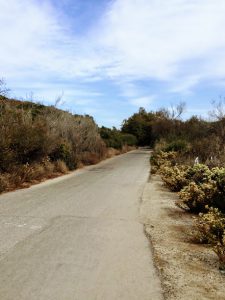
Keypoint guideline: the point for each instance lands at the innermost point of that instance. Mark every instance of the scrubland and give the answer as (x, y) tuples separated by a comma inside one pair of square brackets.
[(38, 142)]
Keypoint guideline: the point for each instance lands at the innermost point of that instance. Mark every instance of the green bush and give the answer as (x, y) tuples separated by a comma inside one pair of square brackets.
[(218, 175), (178, 146), (114, 138), (64, 153), (199, 173)]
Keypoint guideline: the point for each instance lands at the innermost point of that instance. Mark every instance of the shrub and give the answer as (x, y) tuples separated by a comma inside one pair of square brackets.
[(4, 182), (64, 153), (61, 167), (116, 139), (38, 172), (178, 146), (160, 159), (218, 175), (128, 139), (22, 173), (209, 227), (197, 197), (48, 167), (88, 158), (199, 173), (174, 177)]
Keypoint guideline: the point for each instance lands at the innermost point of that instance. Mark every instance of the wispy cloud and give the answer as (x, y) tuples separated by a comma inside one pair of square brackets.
[(143, 101), (160, 41), (135, 39), (180, 45)]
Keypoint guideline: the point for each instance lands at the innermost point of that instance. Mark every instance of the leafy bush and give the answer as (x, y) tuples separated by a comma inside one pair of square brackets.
[(205, 188), (177, 145), (174, 177), (116, 139), (199, 173), (197, 196), (209, 227), (160, 159), (64, 153), (218, 175)]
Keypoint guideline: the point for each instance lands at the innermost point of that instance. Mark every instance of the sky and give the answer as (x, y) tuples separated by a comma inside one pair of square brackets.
[(107, 58)]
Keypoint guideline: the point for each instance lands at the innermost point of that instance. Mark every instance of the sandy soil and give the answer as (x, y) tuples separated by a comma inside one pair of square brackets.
[(187, 270)]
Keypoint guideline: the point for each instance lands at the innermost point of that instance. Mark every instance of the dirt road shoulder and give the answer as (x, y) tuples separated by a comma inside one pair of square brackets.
[(187, 270)]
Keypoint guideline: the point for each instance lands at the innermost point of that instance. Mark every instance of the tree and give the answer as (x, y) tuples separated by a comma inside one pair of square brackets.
[(140, 125)]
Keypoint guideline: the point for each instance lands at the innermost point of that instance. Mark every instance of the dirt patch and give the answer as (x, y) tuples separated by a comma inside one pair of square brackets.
[(187, 270)]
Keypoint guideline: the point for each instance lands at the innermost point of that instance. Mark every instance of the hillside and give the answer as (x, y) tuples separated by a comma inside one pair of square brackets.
[(39, 141)]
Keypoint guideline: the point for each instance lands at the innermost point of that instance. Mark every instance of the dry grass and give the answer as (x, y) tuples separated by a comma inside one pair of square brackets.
[(88, 158), (61, 167)]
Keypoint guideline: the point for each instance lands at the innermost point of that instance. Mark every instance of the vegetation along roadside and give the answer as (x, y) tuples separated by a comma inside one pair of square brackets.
[(39, 142)]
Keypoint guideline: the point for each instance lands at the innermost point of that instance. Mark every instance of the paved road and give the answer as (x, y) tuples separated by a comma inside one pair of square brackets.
[(79, 237)]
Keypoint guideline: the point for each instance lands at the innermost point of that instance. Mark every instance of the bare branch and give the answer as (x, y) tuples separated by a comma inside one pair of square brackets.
[(218, 111), (3, 90)]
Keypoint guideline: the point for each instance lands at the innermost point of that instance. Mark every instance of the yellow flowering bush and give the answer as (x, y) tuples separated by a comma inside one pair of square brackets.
[(199, 188), (197, 196), (210, 227), (174, 176), (160, 158), (199, 173)]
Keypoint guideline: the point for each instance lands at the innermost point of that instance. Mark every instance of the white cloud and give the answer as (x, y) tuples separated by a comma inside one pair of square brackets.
[(185, 84), (161, 40), (142, 101), (180, 42), (35, 44)]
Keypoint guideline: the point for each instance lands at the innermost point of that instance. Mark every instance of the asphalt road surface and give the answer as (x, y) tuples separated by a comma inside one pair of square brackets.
[(79, 237)]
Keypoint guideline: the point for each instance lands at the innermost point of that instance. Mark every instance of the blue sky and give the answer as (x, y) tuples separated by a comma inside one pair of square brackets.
[(109, 57)]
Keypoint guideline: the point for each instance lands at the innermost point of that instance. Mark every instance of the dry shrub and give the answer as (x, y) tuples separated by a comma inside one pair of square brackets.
[(127, 148), (49, 167), (38, 172), (61, 167), (88, 158), (207, 147), (20, 174), (80, 165), (112, 152), (4, 182), (160, 145)]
